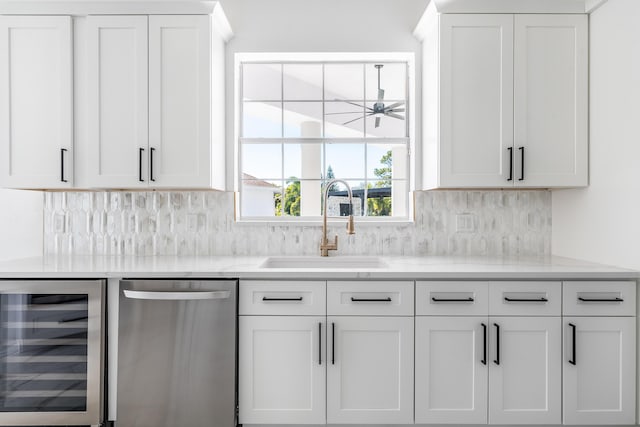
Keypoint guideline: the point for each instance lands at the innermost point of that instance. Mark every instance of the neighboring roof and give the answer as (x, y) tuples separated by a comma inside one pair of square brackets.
[(255, 182)]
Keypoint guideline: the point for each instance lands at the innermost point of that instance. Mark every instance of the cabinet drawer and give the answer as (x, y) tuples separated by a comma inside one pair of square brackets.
[(615, 298), (525, 298), (370, 298), (452, 298), (275, 297)]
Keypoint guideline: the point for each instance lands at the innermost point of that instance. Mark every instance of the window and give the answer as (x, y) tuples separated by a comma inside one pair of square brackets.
[(304, 123)]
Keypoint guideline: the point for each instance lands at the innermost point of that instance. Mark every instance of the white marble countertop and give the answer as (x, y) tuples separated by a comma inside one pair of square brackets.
[(429, 267)]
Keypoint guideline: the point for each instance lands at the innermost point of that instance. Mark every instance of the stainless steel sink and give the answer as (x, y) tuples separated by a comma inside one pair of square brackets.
[(355, 262)]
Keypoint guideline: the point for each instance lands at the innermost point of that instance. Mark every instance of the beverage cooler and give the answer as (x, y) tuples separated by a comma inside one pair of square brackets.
[(50, 352)]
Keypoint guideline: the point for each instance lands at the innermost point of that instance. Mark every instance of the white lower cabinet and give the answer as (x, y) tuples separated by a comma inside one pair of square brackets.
[(370, 370), (282, 370), (525, 370), (451, 370), (599, 370)]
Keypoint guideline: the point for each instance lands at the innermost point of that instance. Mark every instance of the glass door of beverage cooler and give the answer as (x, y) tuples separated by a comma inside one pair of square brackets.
[(50, 352)]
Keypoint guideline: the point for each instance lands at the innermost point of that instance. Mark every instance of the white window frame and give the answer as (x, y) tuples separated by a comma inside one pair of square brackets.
[(321, 57)]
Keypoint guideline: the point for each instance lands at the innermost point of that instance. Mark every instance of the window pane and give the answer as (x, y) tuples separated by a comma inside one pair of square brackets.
[(344, 161), (262, 120), (262, 161), (344, 81), (338, 199), (303, 161), (344, 120), (302, 81), (388, 127), (302, 198), (393, 79), (387, 199), (262, 82), (258, 197), (387, 161), (303, 119)]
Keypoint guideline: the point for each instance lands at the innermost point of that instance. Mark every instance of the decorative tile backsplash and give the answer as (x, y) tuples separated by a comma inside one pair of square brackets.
[(515, 223)]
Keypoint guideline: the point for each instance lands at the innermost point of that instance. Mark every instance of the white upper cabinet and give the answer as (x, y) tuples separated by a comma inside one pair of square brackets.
[(36, 90), (551, 100), (117, 101), (476, 99), (505, 100), (179, 101)]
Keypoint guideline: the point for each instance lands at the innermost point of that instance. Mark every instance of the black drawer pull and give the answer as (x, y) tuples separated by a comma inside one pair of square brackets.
[(601, 299), (281, 299), (434, 299), (387, 299), (525, 299)]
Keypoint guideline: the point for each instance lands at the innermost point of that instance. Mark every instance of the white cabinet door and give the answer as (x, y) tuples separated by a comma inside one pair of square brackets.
[(282, 367), (36, 110), (117, 84), (599, 370), (451, 370), (476, 100), (179, 101), (525, 370), (370, 370), (550, 100)]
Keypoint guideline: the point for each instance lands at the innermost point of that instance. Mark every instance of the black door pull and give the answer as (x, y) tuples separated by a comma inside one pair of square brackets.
[(62, 151), (497, 359), (281, 299), (573, 344), (319, 343), (521, 163), (387, 299), (151, 177), (510, 149), (484, 345), (434, 299), (601, 299), (140, 155), (333, 343)]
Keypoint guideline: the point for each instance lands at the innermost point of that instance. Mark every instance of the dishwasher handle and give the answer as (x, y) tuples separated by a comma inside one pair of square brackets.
[(176, 296)]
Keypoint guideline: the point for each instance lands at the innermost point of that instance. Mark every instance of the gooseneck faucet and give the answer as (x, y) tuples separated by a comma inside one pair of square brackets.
[(325, 246)]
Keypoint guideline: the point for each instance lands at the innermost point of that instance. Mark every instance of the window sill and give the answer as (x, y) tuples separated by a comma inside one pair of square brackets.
[(317, 222)]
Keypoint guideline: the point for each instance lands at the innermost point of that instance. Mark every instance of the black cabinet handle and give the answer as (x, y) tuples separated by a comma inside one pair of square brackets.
[(484, 345), (281, 299), (333, 343), (62, 151), (387, 299), (521, 163), (573, 344), (151, 164), (73, 319), (497, 359), (510, 149), (526, 299), (319, 343), (434, 299), (140, 154), (601, 299)]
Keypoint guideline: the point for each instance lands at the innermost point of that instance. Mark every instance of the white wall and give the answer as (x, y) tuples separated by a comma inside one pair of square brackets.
[(602, 223), (319, 26), (21, 224)]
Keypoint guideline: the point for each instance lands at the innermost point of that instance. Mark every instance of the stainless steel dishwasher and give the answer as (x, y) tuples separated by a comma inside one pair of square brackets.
[(176, 353)]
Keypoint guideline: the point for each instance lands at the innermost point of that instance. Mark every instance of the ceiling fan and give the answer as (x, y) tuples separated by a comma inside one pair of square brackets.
[(379, 109)]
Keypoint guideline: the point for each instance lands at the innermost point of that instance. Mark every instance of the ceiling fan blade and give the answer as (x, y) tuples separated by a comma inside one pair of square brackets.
[(351, 121), (394, 105), (394, 110), (353, 103), (380, 95), (395, 116), (377, 122), (346, 112)]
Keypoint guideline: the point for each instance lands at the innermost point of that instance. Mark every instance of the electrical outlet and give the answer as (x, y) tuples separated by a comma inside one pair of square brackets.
[(465, 223)]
